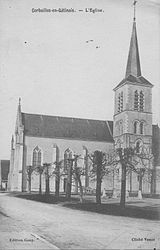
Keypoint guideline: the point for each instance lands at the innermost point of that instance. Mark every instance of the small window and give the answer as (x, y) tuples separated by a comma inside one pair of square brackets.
[(120, 127), (141, 128), (135, 127), (119, 144), (138, 147)]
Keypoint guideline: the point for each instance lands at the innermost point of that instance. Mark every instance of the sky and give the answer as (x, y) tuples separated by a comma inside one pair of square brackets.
[(46, 60)]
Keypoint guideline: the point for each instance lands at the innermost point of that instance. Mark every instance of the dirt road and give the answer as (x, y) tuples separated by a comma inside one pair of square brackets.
[(26, 224)]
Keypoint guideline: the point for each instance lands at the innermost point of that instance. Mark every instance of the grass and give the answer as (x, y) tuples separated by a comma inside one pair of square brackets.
[(51, 199), (116, 210), (132, 209)]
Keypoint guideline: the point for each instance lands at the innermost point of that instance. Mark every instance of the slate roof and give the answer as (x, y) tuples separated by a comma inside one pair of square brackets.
[(133, 63), (37, 125), (133, 69), (134, 80)]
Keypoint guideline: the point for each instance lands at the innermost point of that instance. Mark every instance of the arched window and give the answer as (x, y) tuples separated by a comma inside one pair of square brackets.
[(141, 103), (120, 127), (119, 144), (138, 147), (37, 157), (135, 127), (121, 102), (141, 128), (54, 153), (67, 155), (136, 100)]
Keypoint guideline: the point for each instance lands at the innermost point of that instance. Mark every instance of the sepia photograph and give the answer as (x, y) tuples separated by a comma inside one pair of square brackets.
[(80, 124)]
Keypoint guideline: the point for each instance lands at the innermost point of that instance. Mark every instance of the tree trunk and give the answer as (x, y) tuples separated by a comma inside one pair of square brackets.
[(57, 182), (153, 181), (123, 186), (98, 185), (40, 183), (140, 187), (76, 185), (47, 185), (29, 183), (78, 179), (69, 181), (57, 178), (47, 181), (86, 171), (80, 188), (140, 183), (130, 177)]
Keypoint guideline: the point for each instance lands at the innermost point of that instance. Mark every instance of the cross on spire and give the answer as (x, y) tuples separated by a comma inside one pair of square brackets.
[(133, 63), (134, 4), (19, 101)]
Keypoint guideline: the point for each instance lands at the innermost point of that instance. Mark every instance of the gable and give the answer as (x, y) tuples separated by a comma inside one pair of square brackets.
[(64, 127), (134, 80)]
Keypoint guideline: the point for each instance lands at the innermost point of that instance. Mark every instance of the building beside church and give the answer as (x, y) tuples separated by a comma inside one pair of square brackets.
[(4, 171), (42, 139)]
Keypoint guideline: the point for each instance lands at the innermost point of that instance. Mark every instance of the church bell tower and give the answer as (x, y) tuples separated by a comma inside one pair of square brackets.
[(133, 102)]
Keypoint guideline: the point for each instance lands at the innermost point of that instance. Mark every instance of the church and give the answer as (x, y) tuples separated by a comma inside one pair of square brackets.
[(42, 139)]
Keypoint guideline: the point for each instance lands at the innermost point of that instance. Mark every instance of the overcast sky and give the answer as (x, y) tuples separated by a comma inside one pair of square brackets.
[(46, 60)]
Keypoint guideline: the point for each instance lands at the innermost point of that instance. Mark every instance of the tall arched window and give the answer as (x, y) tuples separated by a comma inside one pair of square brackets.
[(141, 128), (121, 102), (37, 157), (138, 145), (120, 128), (67, 156), (54, 153), (136, 100), (135, 127), (141, 102)]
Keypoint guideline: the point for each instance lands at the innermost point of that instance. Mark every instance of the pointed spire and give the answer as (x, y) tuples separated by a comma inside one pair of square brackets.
[(19, 111), (19, 101), (19, 116), (19, 104), (133, 63)]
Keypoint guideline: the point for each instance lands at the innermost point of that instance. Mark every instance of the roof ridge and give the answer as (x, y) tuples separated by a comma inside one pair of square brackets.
[(68, 117)]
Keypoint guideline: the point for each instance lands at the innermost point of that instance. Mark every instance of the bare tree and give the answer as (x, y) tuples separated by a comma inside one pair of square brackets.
[(58, 172), (69, 178), (137, 161), (49, 171), (78, 171), (29, 170), (101, 166), (39, 170)]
